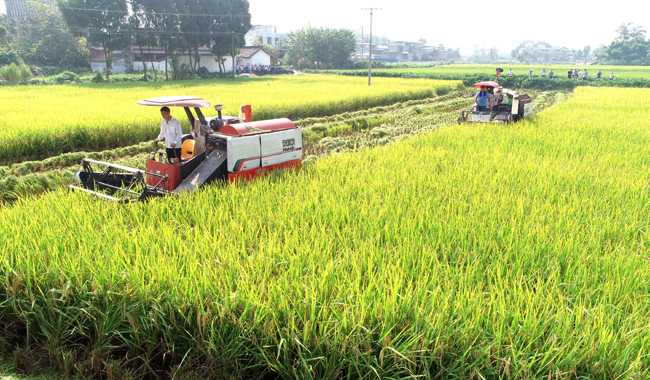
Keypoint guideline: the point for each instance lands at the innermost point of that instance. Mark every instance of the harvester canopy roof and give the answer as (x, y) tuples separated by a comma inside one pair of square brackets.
[(175, 101), (487, 84)]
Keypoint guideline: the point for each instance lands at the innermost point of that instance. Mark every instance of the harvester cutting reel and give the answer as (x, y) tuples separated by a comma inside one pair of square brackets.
[(117, 182)]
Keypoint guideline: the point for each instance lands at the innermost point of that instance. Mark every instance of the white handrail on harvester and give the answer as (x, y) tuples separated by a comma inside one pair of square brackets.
[(121, 167)]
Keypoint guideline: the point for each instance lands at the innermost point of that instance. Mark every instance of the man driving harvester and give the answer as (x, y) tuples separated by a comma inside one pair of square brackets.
[(483, 101), (171, 132)]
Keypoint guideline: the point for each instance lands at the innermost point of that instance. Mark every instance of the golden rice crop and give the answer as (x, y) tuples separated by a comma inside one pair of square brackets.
[(39, 122), (488, 251)]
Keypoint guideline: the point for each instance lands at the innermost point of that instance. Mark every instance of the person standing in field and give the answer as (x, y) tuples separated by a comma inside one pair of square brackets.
[(569, 74), (543, 73), (498, 74), (611, 75), (550, 75), (510, 73), (171, 132), (599, 74), (483, 100), (585, 74), (530, 74)]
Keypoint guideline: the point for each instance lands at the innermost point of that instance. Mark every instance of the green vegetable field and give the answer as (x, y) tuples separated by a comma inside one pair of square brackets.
[(523, 70), (408, 247)]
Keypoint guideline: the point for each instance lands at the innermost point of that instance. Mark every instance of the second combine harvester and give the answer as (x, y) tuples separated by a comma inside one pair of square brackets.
[(507, 106), (217, 148)]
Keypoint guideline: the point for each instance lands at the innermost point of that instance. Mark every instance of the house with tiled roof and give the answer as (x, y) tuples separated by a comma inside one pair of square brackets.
[(254, 55)]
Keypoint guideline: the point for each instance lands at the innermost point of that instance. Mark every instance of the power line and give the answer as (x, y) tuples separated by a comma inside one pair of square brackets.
[(151, 31), (155, 13), (138, 30)]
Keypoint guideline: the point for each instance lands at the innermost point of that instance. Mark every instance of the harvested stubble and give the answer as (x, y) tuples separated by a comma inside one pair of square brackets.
[(488, 251)]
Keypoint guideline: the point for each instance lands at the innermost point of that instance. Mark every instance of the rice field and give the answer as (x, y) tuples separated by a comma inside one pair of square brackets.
[(489, 251), (39, 122), (341, 132)]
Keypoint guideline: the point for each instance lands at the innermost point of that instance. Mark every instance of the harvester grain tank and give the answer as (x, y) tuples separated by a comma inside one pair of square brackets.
[(217, 148), (507, 106)]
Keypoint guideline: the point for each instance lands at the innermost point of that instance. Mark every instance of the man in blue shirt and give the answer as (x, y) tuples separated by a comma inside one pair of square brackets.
[(482, 100)]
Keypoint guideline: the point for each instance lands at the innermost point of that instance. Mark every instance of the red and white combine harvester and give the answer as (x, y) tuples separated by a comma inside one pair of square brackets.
[(217, 148)]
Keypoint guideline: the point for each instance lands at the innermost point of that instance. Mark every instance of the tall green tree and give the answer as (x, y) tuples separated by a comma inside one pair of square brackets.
[(629, 48), (8, 34), (44, 39), (144, 24), (453, 54), (194, 26), (213, 23), (104, 22), (3, 34), (332, 47), (169, 37), (484, 55), (528, 44), (7, 56), (7, 29), (228, 30)]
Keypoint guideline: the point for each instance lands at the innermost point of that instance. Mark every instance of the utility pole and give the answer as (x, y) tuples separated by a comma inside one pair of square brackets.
[(370, 45)]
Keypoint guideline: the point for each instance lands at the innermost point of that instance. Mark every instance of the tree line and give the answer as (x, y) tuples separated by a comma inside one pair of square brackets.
[(58, 36), (42, 39), (320, 47), (170, 25), (540, 51), (629, 48)]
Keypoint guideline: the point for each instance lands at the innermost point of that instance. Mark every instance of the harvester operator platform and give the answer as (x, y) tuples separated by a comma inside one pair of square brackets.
[(171, 132)]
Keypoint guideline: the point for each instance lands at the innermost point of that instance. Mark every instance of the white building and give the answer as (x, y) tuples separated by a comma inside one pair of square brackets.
[(133, 59), (264, 35)]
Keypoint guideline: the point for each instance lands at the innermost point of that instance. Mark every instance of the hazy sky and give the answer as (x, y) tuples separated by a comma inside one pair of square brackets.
[(462, 23)]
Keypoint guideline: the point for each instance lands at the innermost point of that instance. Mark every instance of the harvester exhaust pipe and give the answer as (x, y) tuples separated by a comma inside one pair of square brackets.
[(245, 113), (219, 108)]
